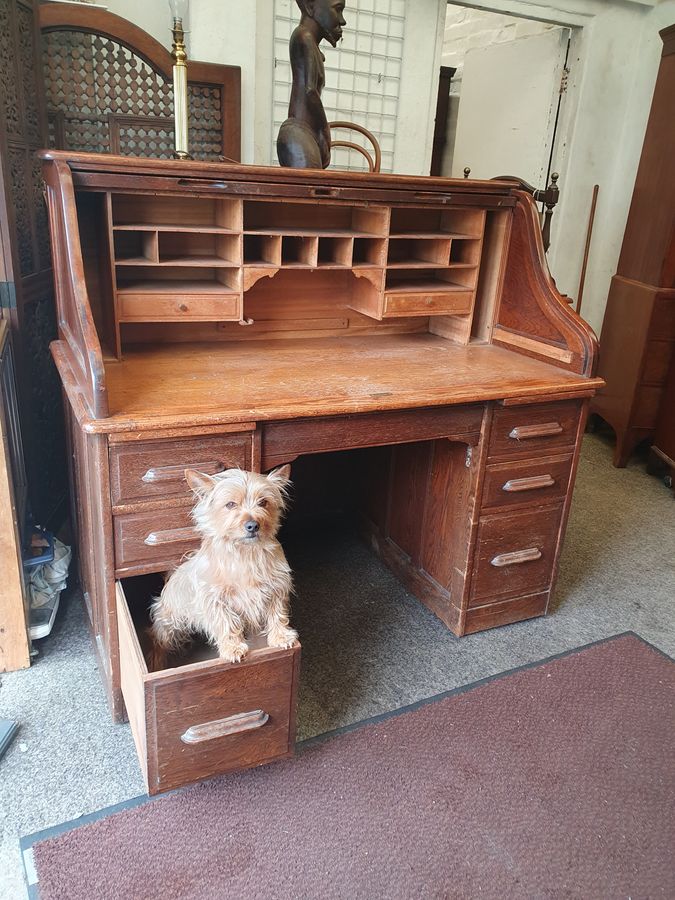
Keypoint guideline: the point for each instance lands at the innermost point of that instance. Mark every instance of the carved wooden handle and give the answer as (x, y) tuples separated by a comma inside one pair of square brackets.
[(209, 731), (518, 556), (171, 536), (528, 484), (523, 432), (172, 473)]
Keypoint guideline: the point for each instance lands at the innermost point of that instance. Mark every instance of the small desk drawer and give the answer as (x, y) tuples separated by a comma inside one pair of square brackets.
[(154, 540), (451, 303), (515, 555), (521, 481), (524, 430), (174, 307), (153, 469), (203, 718)]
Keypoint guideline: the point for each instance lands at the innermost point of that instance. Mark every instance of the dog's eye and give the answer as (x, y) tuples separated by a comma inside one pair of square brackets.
[(262, 502), (230, 504)]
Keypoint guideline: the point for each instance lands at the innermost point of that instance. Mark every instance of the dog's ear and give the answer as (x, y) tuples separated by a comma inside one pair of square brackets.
[(281, 476), (200, 483)]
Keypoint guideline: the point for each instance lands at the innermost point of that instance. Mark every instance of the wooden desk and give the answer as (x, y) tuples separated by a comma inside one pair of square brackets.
[(215, 316)]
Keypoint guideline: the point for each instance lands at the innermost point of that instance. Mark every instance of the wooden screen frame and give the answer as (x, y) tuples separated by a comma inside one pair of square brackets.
[(93, 20)]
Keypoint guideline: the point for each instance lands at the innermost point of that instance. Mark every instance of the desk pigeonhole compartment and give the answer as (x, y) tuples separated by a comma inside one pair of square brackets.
[(203, 717)]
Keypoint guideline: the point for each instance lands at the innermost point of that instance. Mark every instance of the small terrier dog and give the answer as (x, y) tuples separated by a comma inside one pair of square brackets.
[(239, 580)]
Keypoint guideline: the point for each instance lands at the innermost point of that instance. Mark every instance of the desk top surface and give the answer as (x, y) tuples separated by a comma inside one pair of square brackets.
[(176, 385)]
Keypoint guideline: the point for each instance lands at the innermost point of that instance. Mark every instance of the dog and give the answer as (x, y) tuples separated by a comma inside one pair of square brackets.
[(238, 581)]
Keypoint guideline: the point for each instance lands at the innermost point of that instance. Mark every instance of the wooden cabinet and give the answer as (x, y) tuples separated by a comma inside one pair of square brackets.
[(215, 316), (638, 333), (662, 457)]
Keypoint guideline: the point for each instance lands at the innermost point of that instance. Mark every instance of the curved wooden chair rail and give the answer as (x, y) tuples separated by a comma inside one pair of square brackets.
[(549, 196), (373, 163)]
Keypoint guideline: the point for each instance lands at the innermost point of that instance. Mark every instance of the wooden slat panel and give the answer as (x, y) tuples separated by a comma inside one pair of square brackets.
[(283, 441)]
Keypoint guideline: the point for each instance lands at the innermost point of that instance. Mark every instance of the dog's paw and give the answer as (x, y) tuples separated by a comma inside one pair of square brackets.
[(235, 652), (282, 638)]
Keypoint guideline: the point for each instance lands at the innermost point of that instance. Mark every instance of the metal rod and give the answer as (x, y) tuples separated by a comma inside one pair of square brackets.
[(589, 234)]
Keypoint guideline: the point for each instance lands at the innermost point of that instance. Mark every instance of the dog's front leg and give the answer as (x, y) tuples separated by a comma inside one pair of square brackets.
[(226, 631), (277, 629)]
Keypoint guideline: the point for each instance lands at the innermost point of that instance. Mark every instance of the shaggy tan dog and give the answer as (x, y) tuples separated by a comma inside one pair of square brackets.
[(238, 582)]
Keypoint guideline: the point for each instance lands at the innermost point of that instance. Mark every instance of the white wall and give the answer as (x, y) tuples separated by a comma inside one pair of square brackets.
[(615, 56), (240, 33), (422, 47), (153, 16), (233, 32), (467, 28), (620, 50)]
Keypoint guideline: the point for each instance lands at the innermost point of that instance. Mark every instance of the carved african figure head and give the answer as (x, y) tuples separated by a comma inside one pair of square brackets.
[(328, 15)]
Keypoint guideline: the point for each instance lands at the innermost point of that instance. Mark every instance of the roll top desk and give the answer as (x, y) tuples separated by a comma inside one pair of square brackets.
[(213, 316)]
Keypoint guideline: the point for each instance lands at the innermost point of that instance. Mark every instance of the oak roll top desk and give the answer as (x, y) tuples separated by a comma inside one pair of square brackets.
[(215, 315)]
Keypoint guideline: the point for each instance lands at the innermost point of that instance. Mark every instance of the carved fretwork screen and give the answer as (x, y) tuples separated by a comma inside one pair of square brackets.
[(26, 296), (104, 98)]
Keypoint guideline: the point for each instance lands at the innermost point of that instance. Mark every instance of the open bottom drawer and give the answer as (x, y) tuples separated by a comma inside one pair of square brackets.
[(206, 717)]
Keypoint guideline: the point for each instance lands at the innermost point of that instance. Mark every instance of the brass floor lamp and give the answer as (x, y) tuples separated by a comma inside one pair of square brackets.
[(179, 11)]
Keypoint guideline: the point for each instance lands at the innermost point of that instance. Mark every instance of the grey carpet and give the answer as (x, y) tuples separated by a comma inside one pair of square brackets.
[(375, 650)]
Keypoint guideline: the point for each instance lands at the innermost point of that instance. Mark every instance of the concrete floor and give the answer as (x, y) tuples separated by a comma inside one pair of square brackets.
[(368, 647)]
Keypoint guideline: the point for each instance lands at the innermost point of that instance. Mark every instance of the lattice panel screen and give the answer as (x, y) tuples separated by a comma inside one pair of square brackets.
[(103, 98), (363, 75)]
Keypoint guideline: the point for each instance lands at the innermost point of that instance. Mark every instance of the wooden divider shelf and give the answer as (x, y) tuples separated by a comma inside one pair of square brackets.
[(196, 249), (196, 258), (219, 215), (425, 253)]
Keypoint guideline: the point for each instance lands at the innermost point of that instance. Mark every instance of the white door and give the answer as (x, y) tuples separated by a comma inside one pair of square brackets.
[(508, 106)]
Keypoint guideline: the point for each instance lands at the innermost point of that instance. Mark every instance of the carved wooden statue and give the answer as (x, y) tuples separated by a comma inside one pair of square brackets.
[(304, 138)]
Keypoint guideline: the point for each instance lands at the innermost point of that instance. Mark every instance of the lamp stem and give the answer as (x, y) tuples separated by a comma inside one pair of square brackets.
[(180, 99)]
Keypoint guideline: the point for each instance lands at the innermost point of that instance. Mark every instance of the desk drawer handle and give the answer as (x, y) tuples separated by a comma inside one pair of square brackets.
[(203, 182), (210, 731), (523, 432), (431, 195), (324, 192), (158, 474), (171, 536), (518, 556), (513, 485)]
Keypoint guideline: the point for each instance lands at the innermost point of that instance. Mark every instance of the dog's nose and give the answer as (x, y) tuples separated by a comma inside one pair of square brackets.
[(252, 527)]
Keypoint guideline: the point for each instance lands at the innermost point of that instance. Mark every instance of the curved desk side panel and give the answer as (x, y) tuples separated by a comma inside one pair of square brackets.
[(77, 331), (532, 317)]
